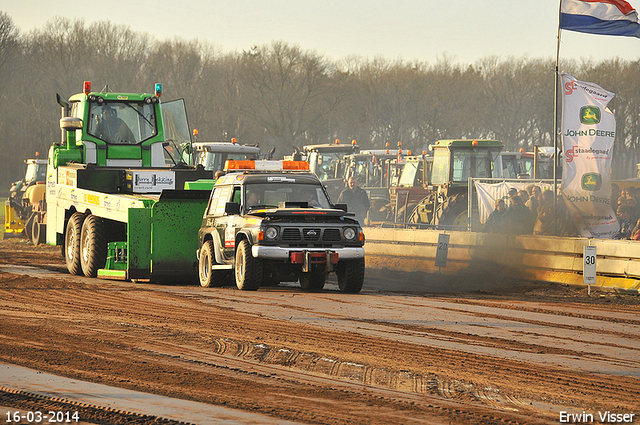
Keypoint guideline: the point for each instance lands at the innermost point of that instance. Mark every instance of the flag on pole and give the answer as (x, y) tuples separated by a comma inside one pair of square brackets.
[(606, 17)]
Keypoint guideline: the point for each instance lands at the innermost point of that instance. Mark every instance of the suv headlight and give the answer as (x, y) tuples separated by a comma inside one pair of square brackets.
[(271, 233), (349, 234)]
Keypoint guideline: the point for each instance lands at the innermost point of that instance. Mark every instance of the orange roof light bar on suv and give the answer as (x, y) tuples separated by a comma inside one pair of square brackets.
[(265, 165)]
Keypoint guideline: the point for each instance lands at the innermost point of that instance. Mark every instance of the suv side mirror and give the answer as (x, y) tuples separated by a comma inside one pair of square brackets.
[(342, 207), (232, 208)]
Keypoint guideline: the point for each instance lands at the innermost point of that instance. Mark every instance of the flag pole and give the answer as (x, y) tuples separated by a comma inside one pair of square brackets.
[(556, 157)]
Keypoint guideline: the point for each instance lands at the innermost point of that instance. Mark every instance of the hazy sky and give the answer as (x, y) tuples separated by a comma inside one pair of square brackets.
[(422, 30)]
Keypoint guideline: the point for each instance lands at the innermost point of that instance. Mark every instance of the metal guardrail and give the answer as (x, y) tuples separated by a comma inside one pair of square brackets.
[(545, 258)]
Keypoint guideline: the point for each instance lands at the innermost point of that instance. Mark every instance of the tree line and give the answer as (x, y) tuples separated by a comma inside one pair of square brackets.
[(280, 95)]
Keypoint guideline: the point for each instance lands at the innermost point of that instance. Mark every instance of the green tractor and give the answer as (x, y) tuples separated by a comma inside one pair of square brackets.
[(454, 162)]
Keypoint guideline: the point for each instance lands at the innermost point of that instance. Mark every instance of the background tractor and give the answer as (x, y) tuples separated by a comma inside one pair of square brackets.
[(327, 161), (454, 162), (24, 195), (376, 171)]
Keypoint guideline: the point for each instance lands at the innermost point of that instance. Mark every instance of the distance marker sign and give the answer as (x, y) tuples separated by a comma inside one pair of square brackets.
[(589, 267), (442, 250)]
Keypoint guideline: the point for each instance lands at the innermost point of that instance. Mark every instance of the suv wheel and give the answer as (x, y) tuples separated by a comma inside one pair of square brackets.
[(351, 276), (248, 269), (208, 276), (312, 281)]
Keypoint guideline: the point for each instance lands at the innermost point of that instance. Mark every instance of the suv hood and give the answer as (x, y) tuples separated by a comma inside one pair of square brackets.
[(301, 212)]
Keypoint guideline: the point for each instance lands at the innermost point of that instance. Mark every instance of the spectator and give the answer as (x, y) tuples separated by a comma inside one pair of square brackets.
[(495, 222), (518, 218), (545, 218), (533, 202), (632, 192), (512, 192), (615, 194), (635, 233), (529, 189), (626, 225), (633, 204), (356, 199), (524, 195)]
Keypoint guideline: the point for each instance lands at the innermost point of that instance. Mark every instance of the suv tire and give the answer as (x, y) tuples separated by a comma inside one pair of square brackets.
[(208, 276), (351, 276), (248, 269)]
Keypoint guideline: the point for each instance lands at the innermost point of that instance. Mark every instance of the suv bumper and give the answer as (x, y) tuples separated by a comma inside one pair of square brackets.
[(279, 253)]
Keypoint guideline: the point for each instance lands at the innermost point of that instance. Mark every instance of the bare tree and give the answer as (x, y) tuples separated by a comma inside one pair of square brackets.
[(286, 91)]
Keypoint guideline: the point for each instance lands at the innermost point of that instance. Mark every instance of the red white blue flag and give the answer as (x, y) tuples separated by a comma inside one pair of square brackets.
[(607, 17)]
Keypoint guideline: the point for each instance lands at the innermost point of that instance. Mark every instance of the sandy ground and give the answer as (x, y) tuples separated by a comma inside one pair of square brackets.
[(521, 355)]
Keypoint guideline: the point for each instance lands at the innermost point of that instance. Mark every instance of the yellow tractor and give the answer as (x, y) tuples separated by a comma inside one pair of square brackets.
[(24, 196)]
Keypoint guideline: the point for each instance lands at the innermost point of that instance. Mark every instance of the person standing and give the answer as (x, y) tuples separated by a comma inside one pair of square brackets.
[(356, 199), (495, 222)]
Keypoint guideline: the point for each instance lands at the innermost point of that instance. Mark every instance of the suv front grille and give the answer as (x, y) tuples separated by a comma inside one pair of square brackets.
[(291, 235), (331, 235), (311, 235)]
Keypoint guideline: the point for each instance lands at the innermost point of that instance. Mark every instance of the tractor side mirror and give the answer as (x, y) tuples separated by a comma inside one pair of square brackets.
[(70, 123)]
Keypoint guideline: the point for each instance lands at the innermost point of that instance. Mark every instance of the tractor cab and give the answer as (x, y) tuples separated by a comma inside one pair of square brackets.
[(455, 161), (327, 162), (121, 129), (213, 155)]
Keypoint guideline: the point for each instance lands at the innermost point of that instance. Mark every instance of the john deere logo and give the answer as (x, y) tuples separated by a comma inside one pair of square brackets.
[(590, 115), (591, 181)]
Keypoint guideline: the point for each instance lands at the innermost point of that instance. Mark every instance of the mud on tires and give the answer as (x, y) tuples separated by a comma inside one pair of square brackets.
[(248, 269), (209, 277), (72, 243), (350, 276)]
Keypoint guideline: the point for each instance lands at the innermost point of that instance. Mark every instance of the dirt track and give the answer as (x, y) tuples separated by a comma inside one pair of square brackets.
[(377, 357)]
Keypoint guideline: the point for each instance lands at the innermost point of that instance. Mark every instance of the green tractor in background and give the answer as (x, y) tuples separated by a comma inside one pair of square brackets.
[(454, 162)]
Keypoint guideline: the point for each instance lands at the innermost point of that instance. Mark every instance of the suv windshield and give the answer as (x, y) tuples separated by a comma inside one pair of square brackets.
[(269, 195), (122, 122)]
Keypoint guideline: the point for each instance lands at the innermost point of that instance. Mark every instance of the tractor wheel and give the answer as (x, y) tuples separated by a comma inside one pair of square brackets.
[(312, 281), (37, 231), (423, 212), (28, 226), (248, 268), (93, 246), (453, 211), (351, 276), (405, 214), (208, 276), (72, 243)]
